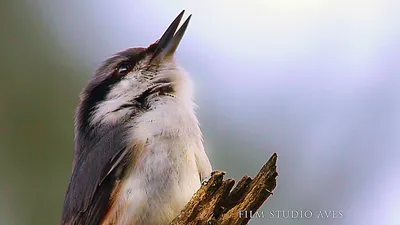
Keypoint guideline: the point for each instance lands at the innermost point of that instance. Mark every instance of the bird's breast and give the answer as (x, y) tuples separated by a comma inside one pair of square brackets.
[(164, 175)]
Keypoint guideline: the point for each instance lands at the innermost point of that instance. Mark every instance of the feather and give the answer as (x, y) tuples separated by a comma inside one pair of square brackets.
[(100, 166)]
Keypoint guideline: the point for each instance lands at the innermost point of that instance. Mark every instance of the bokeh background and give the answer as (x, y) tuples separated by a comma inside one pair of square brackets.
[(315, 81)]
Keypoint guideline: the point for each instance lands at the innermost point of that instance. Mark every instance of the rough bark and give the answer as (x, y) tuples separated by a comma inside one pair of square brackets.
[(215, 204)]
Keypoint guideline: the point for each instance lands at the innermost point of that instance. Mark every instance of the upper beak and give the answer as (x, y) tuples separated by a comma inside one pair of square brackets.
[(169, 41)]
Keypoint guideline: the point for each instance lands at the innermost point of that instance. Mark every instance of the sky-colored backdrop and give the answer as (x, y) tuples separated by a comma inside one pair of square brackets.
[(316, 81)]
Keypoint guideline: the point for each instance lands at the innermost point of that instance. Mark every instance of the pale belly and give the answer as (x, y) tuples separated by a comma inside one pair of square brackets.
[(166, 176), (159, 187)]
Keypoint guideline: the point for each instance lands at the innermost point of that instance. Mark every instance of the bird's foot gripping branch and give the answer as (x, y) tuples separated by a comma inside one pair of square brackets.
[(215, 203)]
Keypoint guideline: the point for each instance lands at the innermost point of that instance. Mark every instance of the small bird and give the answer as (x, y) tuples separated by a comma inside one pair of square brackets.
[(139, 154)]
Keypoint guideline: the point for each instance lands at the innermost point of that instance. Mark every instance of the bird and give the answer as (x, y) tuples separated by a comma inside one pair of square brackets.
[(139, 155)]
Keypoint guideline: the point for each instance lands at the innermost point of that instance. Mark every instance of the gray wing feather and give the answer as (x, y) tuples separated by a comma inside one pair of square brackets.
[(99, 165)]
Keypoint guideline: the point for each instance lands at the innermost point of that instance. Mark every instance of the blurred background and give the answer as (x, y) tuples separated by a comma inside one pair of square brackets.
[(315, 81)]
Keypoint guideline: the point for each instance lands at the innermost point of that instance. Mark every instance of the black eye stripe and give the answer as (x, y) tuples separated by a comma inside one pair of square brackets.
[(94, 94), (103, 80), (128, 65), (132, 60), (124, 69)]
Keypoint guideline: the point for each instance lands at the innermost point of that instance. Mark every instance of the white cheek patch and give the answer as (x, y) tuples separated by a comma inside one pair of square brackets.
[(127, 86), (133, 84), (110, 110), (106, 114)]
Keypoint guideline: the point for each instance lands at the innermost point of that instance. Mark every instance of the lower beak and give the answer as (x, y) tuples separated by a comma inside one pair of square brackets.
[(169, 41)]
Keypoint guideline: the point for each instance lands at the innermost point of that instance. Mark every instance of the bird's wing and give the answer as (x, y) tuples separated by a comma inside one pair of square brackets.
[(95, 175)]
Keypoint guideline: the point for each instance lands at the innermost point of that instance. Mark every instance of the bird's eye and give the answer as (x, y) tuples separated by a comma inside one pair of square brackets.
[(124, 69)]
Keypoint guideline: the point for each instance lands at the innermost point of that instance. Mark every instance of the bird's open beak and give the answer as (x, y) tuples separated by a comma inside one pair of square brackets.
[(169, 41)]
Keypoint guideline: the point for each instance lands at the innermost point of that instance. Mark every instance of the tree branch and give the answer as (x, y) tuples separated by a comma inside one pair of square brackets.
[(215, 204)]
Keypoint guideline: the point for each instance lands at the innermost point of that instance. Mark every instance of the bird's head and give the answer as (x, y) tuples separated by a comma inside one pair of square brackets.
[(135, 81)]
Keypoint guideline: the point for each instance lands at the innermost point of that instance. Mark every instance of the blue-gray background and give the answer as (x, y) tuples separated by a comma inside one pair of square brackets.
[(315, 81)]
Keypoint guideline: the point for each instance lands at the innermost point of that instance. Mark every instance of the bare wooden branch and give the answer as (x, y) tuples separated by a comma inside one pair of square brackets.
[(215, 204)]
